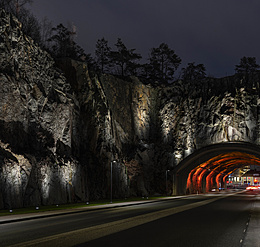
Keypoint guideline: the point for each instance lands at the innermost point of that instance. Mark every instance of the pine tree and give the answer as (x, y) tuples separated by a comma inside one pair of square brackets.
[(124, 59), (102, 55), (193, 73), (63, 44), (163, 62), (247, 66)]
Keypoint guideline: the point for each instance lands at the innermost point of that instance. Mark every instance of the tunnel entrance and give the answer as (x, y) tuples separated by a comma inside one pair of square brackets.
[(210, 166)]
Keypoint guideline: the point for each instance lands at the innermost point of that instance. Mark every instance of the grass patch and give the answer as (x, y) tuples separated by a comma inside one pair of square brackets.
[(29, 210)]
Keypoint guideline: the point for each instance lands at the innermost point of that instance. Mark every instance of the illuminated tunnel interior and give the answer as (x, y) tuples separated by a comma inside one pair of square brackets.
[(210, 166)]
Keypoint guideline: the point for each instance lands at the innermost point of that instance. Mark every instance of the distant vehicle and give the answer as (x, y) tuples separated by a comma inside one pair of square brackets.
[(252, 188), (214, 189)]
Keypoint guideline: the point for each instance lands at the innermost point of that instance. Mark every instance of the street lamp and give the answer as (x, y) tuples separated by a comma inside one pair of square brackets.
[(111, 182), (166, 182)]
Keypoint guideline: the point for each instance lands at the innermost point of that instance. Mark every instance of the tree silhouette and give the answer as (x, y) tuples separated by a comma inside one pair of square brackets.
[(30, 25), (193, 72), (46, 31), (247, 66), (247, 71), (124, 59), (102, 54), (14, 6), (163, 63), (63, 44)]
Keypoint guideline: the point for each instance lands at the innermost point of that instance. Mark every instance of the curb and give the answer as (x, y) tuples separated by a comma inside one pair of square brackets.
[(48, 214)]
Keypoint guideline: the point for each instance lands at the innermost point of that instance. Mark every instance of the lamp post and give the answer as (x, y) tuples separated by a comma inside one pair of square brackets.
[(166, 182), (111, 182)]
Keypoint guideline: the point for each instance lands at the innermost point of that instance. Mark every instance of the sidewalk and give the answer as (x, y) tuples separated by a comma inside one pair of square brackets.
[(37, 215)]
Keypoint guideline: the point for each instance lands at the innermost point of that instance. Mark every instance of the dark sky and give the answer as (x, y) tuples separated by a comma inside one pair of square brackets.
[(216, 33)]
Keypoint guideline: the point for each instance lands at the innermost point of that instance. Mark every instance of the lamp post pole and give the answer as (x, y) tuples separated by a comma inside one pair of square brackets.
[(111, 182), (166, 182)]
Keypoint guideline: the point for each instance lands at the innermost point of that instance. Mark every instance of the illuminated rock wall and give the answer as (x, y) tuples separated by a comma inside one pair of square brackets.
[(59, 132), (60, 128), (228, 111), (134, 109), (37, 125)]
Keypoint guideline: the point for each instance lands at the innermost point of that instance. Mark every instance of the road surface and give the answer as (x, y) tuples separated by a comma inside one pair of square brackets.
[(199, 220)]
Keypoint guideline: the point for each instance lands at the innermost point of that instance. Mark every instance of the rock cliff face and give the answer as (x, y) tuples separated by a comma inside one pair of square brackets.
[(60, 131), (227, 111), (61, 126), (36, 122)]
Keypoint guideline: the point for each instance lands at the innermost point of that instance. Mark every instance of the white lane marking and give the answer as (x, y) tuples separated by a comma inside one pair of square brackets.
[(80, 236)]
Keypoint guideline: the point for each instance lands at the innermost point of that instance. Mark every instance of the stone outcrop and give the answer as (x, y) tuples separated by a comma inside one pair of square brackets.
[(60, 131), (36, 122), (228, 112), (62, 126)]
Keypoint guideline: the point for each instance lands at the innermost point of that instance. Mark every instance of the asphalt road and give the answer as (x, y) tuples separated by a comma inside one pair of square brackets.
[(192, 221), (222, 223)]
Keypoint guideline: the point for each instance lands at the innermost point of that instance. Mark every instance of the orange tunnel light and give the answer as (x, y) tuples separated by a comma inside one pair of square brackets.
[(215, 171)]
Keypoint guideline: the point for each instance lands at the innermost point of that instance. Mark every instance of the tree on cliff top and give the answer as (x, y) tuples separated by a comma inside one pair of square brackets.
[(163, 63), (63, 44), (30, 25), (247, 66), (193, 73), (14, 6), (102, 55), (124, 59), (247, 71)]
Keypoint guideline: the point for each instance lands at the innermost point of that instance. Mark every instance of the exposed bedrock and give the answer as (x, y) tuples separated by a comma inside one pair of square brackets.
[(61, 126)]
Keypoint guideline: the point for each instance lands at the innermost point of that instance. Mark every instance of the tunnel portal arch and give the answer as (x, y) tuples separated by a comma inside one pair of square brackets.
[(211, 165)]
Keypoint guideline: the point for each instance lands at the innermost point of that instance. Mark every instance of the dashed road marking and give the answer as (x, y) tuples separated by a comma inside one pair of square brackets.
[(87, 234)]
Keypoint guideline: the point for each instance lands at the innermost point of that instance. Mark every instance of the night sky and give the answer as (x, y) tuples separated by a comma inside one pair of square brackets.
[(216, 33)]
